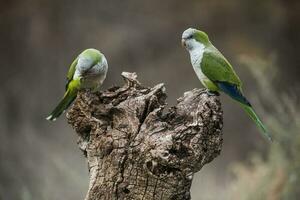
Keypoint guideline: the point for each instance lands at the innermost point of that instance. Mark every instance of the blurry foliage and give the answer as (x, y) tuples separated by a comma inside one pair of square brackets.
[(277, 176)]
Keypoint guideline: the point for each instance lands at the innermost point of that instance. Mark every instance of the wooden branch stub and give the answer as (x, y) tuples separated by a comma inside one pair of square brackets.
[(134, 150)]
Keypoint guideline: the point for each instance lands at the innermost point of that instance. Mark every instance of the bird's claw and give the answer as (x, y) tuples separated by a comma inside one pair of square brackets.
[(212, 93)]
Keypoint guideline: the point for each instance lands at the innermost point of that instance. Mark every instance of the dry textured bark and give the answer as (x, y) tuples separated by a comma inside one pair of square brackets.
[(134, 150)]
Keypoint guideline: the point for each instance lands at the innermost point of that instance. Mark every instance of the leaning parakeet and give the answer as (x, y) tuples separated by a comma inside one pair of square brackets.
[(216, 73), (87, 71)]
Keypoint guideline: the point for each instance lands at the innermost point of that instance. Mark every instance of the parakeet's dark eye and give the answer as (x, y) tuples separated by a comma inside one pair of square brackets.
[(190, 37)]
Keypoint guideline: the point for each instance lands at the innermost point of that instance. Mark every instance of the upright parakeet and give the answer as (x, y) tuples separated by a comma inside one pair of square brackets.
[(87, 71), (216, 73)]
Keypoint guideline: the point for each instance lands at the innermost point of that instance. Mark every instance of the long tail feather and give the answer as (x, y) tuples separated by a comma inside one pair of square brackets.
[(250, 111), (68, 98), (235, 92)]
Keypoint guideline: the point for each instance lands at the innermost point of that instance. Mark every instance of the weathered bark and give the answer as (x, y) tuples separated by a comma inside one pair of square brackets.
[(134, 150)]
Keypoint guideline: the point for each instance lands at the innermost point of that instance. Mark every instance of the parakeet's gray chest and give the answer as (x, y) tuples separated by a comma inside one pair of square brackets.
[(196, 59)]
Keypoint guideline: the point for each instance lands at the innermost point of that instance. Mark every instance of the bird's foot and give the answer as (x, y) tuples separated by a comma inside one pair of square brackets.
[(212, 93)]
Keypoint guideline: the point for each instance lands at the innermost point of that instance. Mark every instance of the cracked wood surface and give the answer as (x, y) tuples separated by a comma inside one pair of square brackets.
[(136, 151)]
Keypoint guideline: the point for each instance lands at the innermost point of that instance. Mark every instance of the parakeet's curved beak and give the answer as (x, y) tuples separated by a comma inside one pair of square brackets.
[(183, 42)]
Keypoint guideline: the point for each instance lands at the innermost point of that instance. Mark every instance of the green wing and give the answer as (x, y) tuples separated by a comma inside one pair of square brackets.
[(71, 72), (72, 69), (215, 66)]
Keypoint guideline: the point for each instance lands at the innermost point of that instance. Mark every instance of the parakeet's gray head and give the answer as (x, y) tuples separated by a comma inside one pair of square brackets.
[(193, 38), (91, 64)]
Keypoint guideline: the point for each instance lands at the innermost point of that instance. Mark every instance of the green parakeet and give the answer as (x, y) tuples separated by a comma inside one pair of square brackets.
[(216, 73), (87, 71)]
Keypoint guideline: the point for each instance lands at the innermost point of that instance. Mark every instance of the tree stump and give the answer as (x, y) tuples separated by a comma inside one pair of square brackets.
[(136, 151)]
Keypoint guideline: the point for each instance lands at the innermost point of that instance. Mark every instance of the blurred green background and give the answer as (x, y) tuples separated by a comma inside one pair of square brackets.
[(39, 39)]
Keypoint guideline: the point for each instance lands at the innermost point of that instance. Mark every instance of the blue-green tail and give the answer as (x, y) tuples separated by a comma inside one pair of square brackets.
[(235, 92), (68, 98), (250, 111)]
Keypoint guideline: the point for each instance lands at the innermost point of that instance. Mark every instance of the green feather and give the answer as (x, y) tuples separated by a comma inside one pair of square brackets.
[(68, 98), (201, 37), (250, 111), (72, 70), (93, 54), (217, 68)]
